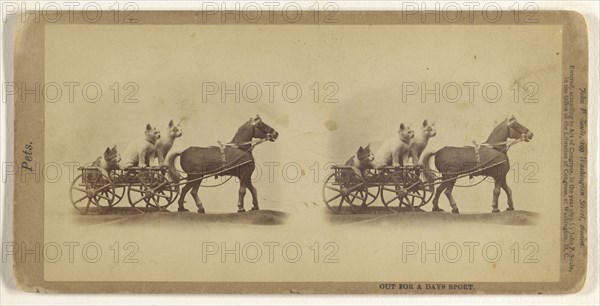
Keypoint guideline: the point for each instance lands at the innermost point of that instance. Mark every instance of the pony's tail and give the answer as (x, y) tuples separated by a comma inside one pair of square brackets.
[(175, 177), (429, 175)]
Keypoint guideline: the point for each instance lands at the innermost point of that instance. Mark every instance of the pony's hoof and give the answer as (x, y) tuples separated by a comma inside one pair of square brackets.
[(437, 209), (241, 210), (181, 209), (455, 211), (201, 211), (510, 208), (254, 208), (495, 210)]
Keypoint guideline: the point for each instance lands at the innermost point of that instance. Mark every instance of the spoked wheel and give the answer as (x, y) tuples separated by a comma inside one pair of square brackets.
[(372, 190), (402, 188), (371, 193), (426, 190), (422, 194), (341, 187), (174, 189), (152, 193), (119, 195), (92, 193)]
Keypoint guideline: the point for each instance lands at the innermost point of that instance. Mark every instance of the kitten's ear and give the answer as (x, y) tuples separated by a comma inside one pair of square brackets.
[(148, 127), (360, 149), (402, 126), (368, 147), (114, 148), (107, 151), (171, 123), (425, 122)]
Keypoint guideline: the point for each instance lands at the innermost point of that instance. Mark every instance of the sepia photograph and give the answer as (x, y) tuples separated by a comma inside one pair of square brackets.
[(329, 152)]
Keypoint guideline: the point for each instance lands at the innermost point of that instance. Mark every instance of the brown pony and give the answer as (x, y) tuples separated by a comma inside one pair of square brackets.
[(235, 160), (453, 162)]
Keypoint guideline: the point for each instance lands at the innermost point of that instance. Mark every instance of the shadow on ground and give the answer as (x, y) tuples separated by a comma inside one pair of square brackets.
[(128, 216), (382, 215)]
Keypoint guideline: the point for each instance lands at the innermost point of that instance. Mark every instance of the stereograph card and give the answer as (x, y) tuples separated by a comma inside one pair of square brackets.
[(323, 152)]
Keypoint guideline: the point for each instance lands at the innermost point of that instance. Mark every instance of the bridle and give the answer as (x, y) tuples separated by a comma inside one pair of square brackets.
[(523, 133), (252, 143), (268, 134), (507, 143)]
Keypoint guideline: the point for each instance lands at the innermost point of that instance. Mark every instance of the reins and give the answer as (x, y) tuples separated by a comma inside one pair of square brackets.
[(507, 143), (478, 168), (216, 185), (253, 143)]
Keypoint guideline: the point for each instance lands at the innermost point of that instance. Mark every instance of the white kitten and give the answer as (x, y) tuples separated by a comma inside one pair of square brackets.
[(140, 151), (165, 144), (392, 150), (419, 143)]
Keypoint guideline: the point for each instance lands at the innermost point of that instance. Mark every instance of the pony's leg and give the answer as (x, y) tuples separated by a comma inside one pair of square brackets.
[(506, 189), (254, 195), (197, 198), (436, 198), (242, 194), (448, 193), (184, 191), (497, 186)]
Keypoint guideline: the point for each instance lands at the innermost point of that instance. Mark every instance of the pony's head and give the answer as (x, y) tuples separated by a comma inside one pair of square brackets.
[(517, 130), (263, 130)]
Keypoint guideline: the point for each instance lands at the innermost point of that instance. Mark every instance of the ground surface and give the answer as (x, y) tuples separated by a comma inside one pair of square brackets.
[(381, 215), (369, 215), (125, 216)]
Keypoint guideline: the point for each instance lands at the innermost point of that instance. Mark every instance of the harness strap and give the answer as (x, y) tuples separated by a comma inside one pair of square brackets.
[(476, 147), (508, 144), (252, 143), (223, 158), (222, 149), (489, 145)]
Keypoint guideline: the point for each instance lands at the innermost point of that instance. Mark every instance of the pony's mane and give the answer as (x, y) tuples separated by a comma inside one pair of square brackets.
[(499, 133), (241, 135)]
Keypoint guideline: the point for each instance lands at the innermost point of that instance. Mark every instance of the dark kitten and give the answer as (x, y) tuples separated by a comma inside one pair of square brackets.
[(362, 160), (108, 161)]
